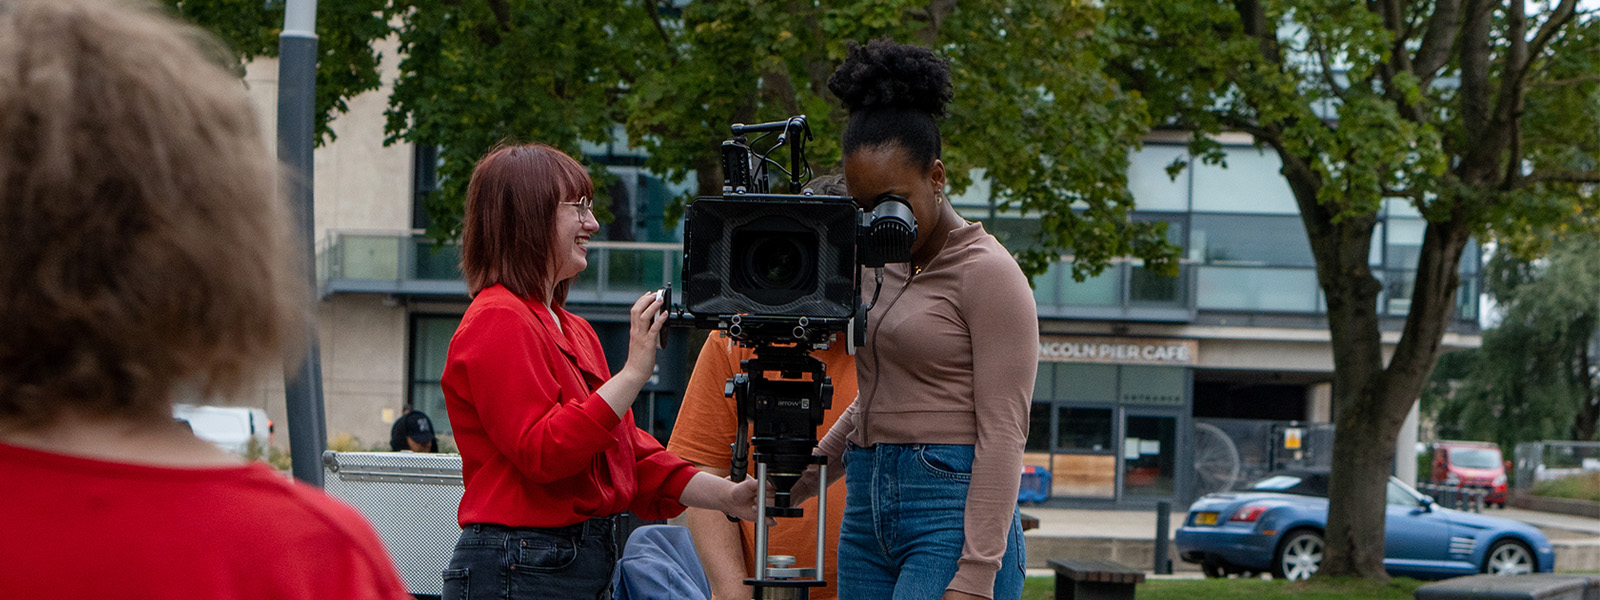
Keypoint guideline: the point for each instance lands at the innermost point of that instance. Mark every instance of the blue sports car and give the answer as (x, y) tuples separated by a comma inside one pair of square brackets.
[(1275, 526)]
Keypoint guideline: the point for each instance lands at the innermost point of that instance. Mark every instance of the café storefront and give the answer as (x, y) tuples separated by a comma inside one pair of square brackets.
[(1112, 419)]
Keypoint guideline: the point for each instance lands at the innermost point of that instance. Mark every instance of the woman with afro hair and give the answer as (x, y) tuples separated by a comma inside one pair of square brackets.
[(932, 446)]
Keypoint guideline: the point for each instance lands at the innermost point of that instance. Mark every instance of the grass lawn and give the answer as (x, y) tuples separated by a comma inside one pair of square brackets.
[(1043, 588), (1578, 487)]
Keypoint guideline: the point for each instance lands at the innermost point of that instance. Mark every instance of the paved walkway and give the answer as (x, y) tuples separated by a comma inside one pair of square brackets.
[(1543, 520)]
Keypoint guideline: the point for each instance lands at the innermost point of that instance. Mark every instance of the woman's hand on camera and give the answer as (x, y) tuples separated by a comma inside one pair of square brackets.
[(715, 493), (742, 500), (645, 321)]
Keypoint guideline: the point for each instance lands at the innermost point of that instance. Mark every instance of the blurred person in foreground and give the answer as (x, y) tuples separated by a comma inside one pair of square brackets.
[(147, 259), (706, 425), (550, 454)]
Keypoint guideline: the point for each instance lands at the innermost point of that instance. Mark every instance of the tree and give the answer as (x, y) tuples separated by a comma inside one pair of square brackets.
[(1536, 376), (1051, 130), (346, 31), (1480, 114)]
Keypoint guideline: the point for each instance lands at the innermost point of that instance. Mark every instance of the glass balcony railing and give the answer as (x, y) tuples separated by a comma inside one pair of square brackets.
[(413, 265), (1124, 291)]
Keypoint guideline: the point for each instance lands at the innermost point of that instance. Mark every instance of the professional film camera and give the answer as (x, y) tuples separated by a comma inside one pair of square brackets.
[(780, 273)]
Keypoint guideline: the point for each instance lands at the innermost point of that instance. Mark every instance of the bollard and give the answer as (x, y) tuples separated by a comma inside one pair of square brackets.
[(1163, 528)]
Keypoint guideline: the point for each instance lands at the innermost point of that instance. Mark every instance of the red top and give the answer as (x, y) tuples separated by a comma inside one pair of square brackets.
[(85, 528), (538, 447)]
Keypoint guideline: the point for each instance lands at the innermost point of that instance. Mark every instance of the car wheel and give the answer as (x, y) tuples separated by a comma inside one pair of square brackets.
[(1508, 557), (1299, 556)]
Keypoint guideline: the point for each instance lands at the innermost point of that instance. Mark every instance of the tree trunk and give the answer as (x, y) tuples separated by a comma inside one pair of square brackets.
[(1372, 404), (1583, 428)]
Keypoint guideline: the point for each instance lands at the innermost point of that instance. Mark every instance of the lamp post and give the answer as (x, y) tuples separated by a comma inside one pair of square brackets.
[(297, 84)]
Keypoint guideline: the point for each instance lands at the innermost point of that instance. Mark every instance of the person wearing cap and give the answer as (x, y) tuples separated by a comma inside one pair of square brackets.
[(413, 431)]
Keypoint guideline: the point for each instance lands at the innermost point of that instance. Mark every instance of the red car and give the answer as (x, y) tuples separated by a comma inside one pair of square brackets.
[(1472, 465)]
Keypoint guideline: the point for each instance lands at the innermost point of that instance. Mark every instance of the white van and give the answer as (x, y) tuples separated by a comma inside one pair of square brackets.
[(229, 427)]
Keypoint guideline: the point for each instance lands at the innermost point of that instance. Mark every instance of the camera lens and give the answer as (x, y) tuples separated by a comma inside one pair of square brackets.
[(778, 262)]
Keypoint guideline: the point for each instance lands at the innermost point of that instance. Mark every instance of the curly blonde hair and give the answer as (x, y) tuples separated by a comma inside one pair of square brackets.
[(146, 247)]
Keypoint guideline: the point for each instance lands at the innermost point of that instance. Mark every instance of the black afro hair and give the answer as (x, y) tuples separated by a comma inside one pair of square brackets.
[(895, 93)]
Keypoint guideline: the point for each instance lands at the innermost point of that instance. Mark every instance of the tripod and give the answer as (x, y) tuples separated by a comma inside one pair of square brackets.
[(785, 413)]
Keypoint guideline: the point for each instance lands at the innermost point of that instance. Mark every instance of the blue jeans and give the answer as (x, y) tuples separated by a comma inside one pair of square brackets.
[(902, 531), (495, 562)]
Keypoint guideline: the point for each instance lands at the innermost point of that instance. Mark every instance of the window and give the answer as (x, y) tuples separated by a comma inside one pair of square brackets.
[(1251, 183), (1149, 456), (1038, 427), (430, 343), (1152, 188), (424, 181), (1258, 289), (1099, 290), (1398, 496), (1250, 240), (1086, 429), (1404, 238)]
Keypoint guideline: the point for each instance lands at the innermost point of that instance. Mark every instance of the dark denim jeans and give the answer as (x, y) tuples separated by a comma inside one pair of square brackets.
[(495, 562), (903, 524)]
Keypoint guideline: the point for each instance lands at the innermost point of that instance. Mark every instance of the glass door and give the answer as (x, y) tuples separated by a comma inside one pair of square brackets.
[(1149, 455)]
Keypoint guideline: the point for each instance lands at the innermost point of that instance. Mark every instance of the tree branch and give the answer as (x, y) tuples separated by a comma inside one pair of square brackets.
[(936, 13), (1394, 20), (1254, 18), (1509, 100), (1434, 52), (1561, 177), (1475, 51), (655, 17), (1327, 67), (1569, 81), (1558, 19)]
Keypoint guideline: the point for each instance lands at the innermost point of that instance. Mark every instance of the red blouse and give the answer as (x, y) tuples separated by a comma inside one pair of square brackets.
[(538, 447)]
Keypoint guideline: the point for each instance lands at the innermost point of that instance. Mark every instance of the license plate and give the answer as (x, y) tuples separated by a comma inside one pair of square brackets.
[(1205, 518)]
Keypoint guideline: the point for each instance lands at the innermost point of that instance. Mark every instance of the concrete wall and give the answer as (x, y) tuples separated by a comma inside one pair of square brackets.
[(360, 184)]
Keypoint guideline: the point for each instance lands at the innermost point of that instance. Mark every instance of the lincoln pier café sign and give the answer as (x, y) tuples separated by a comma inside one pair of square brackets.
[(1119, 351)]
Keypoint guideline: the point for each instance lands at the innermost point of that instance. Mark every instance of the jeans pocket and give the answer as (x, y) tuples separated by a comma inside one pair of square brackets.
[(948, 462), (456, 585), (546, 555)]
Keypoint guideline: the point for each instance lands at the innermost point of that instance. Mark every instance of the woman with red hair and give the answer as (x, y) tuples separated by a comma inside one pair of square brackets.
[(550, 454)]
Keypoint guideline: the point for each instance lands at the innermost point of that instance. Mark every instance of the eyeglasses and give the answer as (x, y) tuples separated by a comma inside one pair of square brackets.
[(585, 205)]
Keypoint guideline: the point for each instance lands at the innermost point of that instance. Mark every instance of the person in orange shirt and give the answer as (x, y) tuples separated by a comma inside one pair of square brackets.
[(706, 426)]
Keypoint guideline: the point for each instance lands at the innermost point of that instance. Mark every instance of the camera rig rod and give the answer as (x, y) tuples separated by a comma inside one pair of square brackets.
[(793, 131)]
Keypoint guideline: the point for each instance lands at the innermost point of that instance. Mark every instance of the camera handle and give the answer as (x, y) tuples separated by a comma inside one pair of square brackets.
[(795, 132)]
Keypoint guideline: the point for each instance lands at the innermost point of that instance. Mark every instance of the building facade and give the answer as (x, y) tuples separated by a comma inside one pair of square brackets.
[(1150, 388)]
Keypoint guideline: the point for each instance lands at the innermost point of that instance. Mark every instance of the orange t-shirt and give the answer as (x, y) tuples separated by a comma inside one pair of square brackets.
[(708, 421)]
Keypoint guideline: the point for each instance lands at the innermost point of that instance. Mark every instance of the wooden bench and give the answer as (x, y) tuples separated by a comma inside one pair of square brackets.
[(1029, 522), (1094, 580)]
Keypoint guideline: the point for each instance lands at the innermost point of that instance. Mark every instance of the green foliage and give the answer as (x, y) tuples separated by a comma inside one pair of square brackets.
[(347, 30), (1534, 378), (1483, 118), (1576, 487), (1049, 129)]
